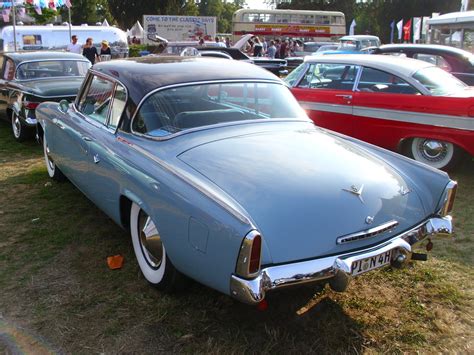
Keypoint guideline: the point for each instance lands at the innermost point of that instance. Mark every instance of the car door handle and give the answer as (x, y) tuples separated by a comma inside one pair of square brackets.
[(347, 97), (58, 123), (87, 139)]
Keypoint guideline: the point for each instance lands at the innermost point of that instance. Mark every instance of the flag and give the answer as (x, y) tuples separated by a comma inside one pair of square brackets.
[(416, 28), (352, 27), (38, 10), (464, 5), (424, 26), (6, 15), (392, 30), (407, 31), (68, 4), (400, 29), (21, 12), (52, 5)]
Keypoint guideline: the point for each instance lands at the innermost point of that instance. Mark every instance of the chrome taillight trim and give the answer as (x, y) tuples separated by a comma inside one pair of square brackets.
[(243, 261), (449, 198), (368, 233)]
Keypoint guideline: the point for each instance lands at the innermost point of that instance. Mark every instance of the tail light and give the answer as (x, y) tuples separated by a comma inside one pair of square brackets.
[(250, 256), (30, 105), (449, 199)]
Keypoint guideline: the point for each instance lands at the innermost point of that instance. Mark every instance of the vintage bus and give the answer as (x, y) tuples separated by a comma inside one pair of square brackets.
[(454, 29), (302, 24)]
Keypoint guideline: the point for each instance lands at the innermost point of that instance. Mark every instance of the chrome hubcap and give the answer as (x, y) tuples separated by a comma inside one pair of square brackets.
[(16, 125), (433, 150), (150, 241)]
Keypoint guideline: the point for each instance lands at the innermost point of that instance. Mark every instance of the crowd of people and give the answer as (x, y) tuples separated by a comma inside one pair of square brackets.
[(256, 47), (88, 49)]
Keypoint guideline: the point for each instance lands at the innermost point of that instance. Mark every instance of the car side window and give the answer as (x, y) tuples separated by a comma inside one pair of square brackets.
[(374, 80), (329, 76), (96, 100), (118, 105), (437, 60), (9, 70)]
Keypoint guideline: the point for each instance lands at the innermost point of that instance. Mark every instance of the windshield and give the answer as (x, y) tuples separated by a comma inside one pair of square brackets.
[(177, 109), (438, 81), (348, 45), (51, 68), (295, 75)]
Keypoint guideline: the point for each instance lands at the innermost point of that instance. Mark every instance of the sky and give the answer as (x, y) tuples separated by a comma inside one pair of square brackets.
[(256, 4)]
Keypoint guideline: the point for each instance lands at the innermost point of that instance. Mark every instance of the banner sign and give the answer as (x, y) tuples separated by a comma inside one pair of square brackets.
[(292, 30), (180, 28)]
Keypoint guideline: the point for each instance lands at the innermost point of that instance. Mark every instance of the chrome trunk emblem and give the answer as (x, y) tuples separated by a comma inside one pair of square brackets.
[(369, 220), (404, 191), (356, 191)]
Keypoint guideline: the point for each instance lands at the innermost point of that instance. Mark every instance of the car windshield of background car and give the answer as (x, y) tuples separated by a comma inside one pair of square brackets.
[(177, 109), (438, 81), (51, 68), (329, 76), (348, 45)]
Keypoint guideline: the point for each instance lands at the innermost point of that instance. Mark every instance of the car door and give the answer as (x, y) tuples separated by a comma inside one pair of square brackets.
[(106, 168), (78, 128), (326, 91), (384, 105)]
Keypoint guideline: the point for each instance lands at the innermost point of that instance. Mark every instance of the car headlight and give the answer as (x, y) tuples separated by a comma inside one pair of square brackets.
[(449, 196)]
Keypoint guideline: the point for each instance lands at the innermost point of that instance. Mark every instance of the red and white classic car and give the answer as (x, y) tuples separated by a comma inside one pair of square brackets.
[(401, 104)]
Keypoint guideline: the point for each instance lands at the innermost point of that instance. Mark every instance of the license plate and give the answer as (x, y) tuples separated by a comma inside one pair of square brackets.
[(374, 262)]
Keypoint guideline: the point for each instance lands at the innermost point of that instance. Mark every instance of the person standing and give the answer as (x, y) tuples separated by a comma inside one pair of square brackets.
[(74, 47), (219, 43), (105, 51), (257, 48), (90, 52), (271, 51)]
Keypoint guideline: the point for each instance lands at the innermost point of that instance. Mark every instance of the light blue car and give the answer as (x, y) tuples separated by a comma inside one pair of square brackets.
[(220, 176)]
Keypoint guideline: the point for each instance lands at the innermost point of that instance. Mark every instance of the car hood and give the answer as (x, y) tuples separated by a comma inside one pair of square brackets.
[(55, 87), (296, 186)]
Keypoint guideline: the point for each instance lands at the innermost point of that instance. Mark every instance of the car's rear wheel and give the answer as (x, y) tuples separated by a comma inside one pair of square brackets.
[(20, 131), (53, 171), (436, 153), (150, 252)]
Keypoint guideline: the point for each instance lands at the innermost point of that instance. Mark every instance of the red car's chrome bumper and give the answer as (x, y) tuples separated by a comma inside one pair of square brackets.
[(338, 268)]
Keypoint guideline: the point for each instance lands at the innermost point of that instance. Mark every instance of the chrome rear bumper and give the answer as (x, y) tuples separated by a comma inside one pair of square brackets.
[(338, 268)]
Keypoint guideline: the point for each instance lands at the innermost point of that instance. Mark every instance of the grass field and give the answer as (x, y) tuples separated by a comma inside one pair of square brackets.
[(57, 294)]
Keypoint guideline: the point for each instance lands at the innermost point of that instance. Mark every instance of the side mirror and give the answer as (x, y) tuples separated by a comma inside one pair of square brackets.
[(63, 106)]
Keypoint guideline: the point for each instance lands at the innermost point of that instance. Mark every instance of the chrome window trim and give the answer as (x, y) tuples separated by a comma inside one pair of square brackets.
[(173, 135), (88, 78), (46, 60)]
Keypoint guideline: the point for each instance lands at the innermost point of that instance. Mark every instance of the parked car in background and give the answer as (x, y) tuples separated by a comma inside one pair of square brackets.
[(311, 47), (214, 172), (28, 78), (326, 48), (401, 104), (276, 66), (356, 44), (458, 62)]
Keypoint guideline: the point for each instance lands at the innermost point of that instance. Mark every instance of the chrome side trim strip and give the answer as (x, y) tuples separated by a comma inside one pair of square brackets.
[(368, 233), (448, 121), (344, 109), (337, 267)]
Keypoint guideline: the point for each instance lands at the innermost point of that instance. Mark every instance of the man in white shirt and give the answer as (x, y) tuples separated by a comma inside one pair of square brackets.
[(74, 47)]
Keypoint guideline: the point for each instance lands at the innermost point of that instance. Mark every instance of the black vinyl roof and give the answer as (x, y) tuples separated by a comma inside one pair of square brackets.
[(144, 74)]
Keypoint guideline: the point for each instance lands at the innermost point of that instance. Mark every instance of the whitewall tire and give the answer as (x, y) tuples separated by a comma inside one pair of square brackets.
[(436, 153), (53, 171), (150, 251)]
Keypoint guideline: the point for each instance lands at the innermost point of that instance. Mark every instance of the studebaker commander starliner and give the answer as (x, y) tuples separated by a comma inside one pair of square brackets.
[(220, 176)]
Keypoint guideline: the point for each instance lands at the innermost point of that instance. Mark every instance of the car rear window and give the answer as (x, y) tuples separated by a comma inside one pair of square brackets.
[(51, 69), (177, 109)]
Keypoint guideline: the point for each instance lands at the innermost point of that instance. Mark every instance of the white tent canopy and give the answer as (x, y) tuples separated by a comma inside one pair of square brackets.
[(136, 30), (105, 23)]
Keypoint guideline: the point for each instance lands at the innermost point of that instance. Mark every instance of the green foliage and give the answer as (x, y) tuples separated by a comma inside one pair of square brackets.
[(47, 15)]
